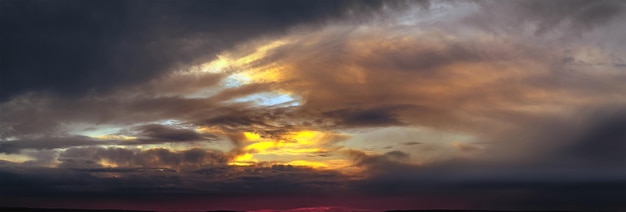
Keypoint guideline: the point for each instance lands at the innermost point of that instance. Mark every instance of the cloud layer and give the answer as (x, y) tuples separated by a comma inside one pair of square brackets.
[(417, 104)]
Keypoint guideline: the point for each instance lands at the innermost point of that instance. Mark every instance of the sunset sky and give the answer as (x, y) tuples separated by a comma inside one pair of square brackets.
[(278, 104)]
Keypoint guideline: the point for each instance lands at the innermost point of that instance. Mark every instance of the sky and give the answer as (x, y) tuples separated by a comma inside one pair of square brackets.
[(252, 105)]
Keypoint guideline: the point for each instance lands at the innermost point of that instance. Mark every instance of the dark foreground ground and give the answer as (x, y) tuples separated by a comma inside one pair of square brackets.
[(16, 209)]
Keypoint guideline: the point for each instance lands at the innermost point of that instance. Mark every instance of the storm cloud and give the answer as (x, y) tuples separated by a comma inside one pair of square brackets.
[(76, 48)]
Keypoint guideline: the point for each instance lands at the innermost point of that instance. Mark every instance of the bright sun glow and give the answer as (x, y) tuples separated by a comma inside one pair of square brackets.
[(243, 160), (287, 147)]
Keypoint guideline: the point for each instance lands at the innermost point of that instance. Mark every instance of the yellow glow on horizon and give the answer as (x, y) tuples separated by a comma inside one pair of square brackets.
[(325, 164), (292, 147)]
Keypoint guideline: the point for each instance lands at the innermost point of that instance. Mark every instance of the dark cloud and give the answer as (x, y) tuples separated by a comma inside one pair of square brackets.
[(601, 143), (591, 140), (502, 194), (501, 186), (73, 47), (364, 117), (149, 183), (164, 133)]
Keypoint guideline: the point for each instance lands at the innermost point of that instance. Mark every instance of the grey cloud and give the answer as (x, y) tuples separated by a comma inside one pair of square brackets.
[(548, 15), (376, 164), (86, 157), (46, 143), (146, 134), (42, 115), (591, 140), (429, 58), (45, 115), (42, 158)]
